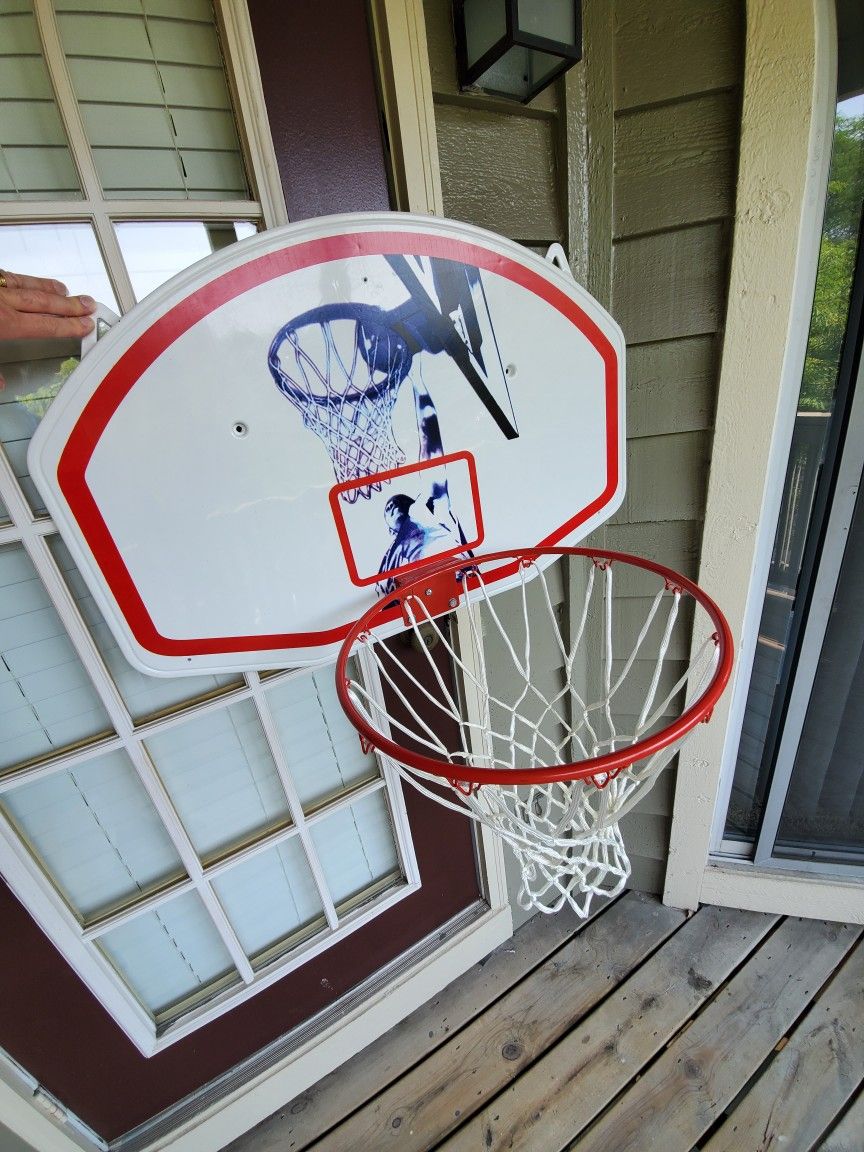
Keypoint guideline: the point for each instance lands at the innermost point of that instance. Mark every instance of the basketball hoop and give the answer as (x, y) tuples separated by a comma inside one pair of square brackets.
[(561, 722)]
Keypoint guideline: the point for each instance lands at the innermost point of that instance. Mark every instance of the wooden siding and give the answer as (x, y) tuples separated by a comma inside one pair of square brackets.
[(726, 1030), (677, 74), (656, 104), (499, 161)]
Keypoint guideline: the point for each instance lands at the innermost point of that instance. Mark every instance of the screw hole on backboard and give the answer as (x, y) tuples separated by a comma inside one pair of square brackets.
[(239, 429), (510, 370)]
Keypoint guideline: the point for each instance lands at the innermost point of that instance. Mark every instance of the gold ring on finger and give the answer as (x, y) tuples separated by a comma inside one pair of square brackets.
[(3, 283)]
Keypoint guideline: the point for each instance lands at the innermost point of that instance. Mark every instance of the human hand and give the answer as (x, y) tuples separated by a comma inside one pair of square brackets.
[(33, 308)]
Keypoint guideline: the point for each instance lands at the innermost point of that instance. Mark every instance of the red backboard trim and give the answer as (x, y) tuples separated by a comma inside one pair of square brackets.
[(125, 373)]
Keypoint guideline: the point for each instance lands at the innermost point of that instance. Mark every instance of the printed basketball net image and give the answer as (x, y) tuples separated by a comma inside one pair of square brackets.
[(550, 764)]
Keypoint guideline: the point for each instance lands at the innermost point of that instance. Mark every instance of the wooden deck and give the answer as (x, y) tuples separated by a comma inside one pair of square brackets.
[(645, 1028)]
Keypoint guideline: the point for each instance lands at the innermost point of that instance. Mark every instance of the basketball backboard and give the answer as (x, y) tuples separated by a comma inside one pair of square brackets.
[(275, 436)]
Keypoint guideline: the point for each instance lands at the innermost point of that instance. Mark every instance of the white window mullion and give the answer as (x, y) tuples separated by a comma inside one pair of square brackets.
[(60, 763), (39, 553), (55, 60), (174, 719), (22, 873), (404, 839), (9, 534), (146, 904), (32, 211), (164, 806), (294, 804), (245, 76), (346, 801), (37, 549), (114, 262), (70, 114)]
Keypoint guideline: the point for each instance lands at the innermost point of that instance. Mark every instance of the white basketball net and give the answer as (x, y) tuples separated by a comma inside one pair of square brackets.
[(535, 692)]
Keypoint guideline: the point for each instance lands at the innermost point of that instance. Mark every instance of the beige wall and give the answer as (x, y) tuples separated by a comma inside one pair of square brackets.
[(642, 141), (499, 161), (677, 73)]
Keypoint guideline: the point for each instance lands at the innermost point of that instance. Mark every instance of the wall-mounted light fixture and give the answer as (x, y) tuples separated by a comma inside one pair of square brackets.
[(515, 48)]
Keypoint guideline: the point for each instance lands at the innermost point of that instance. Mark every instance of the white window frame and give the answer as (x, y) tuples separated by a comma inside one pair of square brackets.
[(35, 1116), (786, 135), (21, 869), (23, 873)]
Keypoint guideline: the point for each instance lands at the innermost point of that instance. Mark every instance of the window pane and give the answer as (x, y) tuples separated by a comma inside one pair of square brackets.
[(46, 698), (270, 897), (357, 848), (143, 695), (153, 74), (96, 833), (823, 813), (35, 162), (322, 748), (221, 776), (170, 955), (30, 388), (154, 251), (66, 252), (786, 597)]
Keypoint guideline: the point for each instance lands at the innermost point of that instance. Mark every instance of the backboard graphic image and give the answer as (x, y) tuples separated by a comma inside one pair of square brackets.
[(280, 434)]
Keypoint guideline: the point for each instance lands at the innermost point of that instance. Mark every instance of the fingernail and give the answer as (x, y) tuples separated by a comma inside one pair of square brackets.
[(87, 325), (88, 302)]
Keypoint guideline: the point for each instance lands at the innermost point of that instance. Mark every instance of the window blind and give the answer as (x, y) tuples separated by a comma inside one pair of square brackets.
[(270, 898), (35, 161), (144, 696), (46, 698), (323, 750), (170, 955), (96, 832), (151, 73), (221, 777)]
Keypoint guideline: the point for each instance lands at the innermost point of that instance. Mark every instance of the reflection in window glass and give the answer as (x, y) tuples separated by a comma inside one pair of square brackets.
[(221, 776), (170, 955), (65, 252), (357, 848), (46, 698), (322, 748), (29, 390), (270, 897), (156, 250), (143, 695), (817, 412), (96, 833)]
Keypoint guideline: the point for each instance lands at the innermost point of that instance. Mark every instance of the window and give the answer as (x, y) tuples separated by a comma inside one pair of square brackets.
[(804, 796), (185, 841)]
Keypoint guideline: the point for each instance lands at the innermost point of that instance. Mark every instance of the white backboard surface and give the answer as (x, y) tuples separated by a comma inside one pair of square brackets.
[(277, 435)]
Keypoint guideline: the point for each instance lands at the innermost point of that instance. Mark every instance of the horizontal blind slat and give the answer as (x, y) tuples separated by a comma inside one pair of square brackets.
[(155, 105)]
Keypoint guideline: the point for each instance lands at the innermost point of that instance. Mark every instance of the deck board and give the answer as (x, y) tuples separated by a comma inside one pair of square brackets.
[(684, 1092), (573, 1082), (846, 1135), (811, 1079), (720, 1031), (327, 1103), (479, 1061)]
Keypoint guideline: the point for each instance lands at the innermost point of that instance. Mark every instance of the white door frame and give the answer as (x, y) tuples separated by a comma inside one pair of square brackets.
[(786, 134)]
